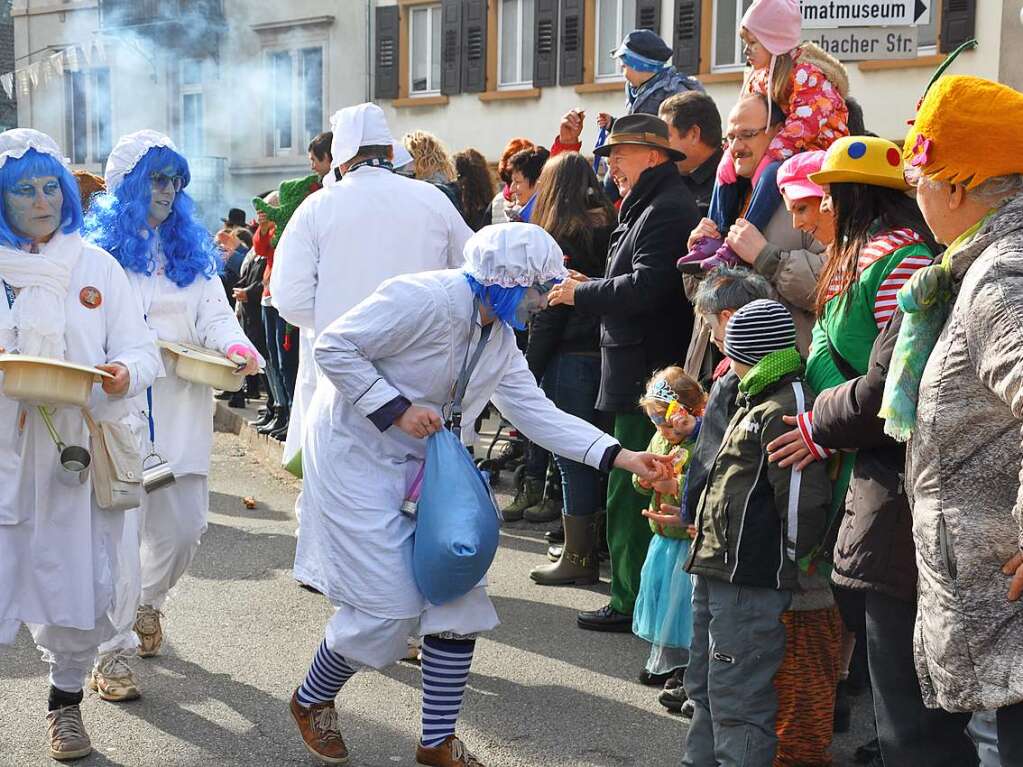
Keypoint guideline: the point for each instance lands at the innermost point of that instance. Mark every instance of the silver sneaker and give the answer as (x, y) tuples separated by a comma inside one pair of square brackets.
[(113, 678)]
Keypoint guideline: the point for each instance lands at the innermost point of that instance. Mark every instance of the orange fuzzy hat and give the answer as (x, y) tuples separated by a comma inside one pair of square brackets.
[(955, 117)]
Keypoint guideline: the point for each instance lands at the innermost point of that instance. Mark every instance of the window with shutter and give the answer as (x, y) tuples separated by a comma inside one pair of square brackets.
[(615, 19), (958, 23), (386, 80), (515, 47), (686, 36), (474, 46), (648, 15), (545, 57), (570, 69), (451, 47)]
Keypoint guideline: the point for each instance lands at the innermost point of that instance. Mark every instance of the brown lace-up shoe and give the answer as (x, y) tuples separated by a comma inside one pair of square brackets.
[(68, 738), (150, 633), (320, 731), (451, 753)]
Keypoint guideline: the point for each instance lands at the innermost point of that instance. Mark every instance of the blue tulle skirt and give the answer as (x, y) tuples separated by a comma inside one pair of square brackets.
[(663, 614)]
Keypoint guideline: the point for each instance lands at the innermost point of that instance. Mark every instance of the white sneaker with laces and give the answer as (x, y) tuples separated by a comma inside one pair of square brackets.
[(113, 678)]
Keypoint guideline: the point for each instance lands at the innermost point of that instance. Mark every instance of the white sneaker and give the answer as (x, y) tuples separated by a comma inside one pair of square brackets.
[(113, 678), (150, 633)]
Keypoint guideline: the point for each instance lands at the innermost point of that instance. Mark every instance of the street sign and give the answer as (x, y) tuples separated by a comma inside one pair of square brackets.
[(825, 14), (864, 43)]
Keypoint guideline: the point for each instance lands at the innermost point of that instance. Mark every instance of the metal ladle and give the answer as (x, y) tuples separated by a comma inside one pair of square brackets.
[(73, 458)]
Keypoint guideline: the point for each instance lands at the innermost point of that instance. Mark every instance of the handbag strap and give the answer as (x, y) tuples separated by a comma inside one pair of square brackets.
[(454, 419), (844, 367)]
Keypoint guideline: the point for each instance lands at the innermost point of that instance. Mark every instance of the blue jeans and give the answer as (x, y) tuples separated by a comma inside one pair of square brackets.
[(725, 200), (281, 364), (571, 382)]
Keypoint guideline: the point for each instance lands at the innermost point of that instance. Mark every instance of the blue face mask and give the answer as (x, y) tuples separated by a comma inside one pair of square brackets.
[(533, 301), (33, 207), (164, 187)]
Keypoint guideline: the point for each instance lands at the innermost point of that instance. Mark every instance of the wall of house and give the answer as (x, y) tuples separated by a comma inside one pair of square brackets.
[(888, 93)]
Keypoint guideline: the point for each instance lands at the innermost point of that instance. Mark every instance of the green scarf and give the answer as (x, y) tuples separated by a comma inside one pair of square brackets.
[(926, 301), (770, 369)]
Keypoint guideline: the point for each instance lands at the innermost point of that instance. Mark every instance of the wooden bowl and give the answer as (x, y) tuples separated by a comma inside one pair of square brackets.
[(50, 382)]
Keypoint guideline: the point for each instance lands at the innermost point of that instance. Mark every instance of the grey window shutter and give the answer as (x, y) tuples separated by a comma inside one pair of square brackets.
[(648, 15), (571, 44), (686, 36), (958, 23), (474, 47), (451, 48), (545, 40), (386, 81)]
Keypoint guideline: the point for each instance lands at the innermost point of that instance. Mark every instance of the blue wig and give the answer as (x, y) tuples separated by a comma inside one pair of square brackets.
[(117, 222), (35, 164), (501, 301)]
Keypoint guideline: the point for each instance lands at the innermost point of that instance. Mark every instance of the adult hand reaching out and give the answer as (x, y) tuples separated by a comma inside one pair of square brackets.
[(644, 465), (563, 293), (789, 449), (746, 240), (419, 422)]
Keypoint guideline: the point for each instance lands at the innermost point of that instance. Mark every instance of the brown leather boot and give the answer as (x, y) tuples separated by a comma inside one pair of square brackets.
[(451, 753), (320, 731), (578, 563)]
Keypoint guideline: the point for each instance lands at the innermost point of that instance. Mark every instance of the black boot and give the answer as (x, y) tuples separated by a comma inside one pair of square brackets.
[(266, 415), (252, 388), (223, 396), (280, 418), (281, 432), (237, 400)]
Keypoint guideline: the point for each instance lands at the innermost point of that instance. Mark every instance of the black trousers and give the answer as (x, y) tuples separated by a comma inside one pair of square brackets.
[(910, 734), (1010, 735)]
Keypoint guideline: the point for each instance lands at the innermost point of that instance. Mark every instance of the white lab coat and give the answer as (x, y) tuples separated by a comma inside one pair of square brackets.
[(59, 552), (341, 243), (182, 410), (409, 338)]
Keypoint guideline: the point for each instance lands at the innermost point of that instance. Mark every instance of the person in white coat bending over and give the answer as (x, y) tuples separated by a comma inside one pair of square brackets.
[(147, 221), (389, 366), (60, 563), (366, 225)]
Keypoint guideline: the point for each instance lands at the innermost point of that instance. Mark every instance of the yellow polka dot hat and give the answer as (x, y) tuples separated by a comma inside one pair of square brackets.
[(966, 131), (862, 160)]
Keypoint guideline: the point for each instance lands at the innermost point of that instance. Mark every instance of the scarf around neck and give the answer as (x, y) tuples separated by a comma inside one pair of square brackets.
[(36, 323), (926, 300), (769, 370)]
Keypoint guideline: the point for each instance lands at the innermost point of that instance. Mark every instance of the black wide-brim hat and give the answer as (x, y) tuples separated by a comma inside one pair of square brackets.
[(640, 130)]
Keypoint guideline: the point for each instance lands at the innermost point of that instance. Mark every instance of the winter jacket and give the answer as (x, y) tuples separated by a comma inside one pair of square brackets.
[(816, 112), (681, 452), (964, 478), (250, 312), (874, 550), (717, 414), (645, 320), (755, 520), (701, 181), (564, 329)]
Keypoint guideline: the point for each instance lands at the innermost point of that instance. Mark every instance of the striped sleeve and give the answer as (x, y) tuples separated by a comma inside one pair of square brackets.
[(805, 423), (886, 300)]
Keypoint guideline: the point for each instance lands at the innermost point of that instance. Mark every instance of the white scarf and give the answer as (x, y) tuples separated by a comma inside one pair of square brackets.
[(37, 321)]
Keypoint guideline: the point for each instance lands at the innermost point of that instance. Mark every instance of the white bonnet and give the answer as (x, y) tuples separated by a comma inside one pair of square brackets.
[(513, 254), (360, 125), (16, 142), (127, 153)]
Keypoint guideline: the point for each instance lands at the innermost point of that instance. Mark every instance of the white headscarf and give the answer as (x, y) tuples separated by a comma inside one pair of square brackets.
[(35, 325), (513, 254), (361, 125), (127, 153)]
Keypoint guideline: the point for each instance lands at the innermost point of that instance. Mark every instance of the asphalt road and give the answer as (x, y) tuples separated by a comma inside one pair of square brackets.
[(240, 635)]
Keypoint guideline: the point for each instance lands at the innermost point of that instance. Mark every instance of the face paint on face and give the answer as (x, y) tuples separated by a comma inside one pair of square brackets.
[(33, 207), (533, 302), (164, 186)]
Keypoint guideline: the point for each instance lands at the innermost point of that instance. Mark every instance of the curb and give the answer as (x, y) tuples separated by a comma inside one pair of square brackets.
[(235, 421)]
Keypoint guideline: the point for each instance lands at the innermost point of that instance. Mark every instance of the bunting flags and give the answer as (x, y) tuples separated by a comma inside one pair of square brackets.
[(38, 73)]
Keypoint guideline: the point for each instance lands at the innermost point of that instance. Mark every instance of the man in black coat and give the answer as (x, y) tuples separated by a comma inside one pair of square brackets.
[(645, 324)]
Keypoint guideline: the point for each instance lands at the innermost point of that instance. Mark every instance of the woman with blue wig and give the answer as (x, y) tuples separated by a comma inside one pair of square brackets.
[(389, 366), (148, 222), (63, 571)]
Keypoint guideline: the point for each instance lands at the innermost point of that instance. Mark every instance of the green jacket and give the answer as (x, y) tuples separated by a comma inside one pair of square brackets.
[(755, 521), (660, 446)]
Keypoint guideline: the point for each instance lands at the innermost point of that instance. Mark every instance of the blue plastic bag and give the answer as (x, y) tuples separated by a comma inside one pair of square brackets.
[(456, 522)]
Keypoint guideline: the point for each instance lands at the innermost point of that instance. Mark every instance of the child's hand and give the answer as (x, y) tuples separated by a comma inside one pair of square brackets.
[(669, 516), (666, 486), (644, 483)]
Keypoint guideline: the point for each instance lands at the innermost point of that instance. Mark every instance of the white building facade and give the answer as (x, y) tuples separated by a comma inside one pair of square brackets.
[(243, 85)]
